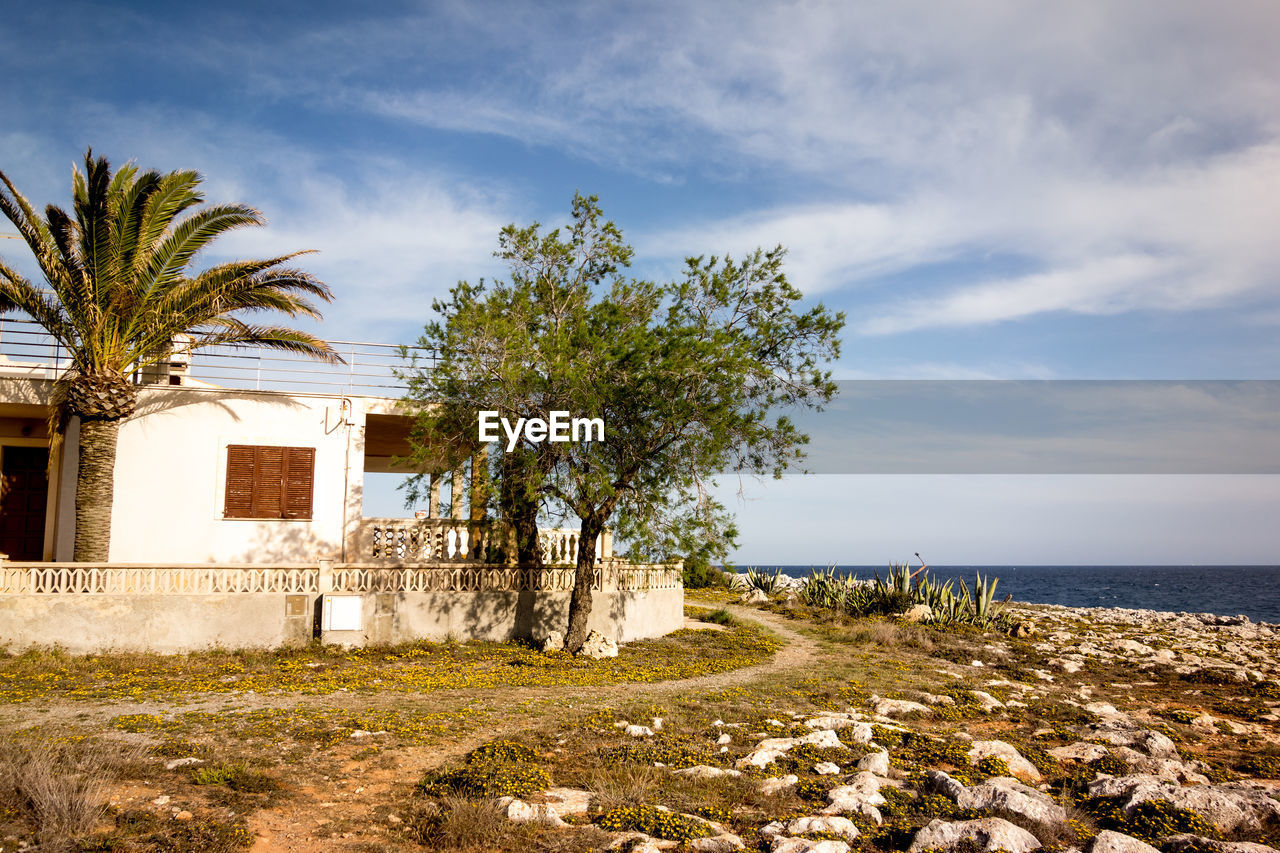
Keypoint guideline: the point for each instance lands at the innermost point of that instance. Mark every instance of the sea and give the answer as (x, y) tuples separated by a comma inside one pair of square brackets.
[(1252, 591)]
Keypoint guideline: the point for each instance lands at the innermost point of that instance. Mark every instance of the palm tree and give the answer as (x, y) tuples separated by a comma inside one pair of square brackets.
[(117, 291)]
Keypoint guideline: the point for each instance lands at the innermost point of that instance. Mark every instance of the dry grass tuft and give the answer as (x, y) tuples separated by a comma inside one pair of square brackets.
[(60, 788), (456, 823)]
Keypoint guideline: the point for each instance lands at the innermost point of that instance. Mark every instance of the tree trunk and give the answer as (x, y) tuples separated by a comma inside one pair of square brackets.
[(520, 510), (584, 573), (95, 488)]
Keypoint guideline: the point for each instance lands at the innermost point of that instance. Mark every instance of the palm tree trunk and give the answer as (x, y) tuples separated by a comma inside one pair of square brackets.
[(95, 488), (583, 575)]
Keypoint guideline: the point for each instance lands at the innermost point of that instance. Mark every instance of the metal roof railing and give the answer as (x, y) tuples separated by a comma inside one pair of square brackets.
[(369, 368)]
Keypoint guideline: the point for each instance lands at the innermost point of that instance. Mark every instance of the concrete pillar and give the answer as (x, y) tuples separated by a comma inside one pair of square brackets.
[(433, 495), (326, 576), (479, 485), (457, 506)]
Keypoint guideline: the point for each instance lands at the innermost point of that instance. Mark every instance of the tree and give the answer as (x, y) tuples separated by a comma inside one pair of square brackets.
[(117, 292), (692, 379)]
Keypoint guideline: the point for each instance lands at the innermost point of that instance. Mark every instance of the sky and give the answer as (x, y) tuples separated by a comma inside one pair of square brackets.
[(988, 190)]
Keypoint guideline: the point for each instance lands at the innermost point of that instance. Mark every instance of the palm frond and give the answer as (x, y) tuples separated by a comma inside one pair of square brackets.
[(192, 234), (229, 330)]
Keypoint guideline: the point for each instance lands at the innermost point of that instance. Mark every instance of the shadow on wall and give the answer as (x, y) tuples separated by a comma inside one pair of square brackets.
[(283, 541), (166, 399)]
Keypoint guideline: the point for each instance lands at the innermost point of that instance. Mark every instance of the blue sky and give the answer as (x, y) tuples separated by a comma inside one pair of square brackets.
[(987, 189)]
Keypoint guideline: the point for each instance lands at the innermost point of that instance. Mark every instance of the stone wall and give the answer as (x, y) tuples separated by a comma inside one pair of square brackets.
[(94, 607)]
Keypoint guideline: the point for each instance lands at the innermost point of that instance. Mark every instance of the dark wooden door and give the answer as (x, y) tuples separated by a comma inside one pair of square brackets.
[(24, 492)]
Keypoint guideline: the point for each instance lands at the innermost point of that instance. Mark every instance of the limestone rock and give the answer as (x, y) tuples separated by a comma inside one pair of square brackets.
[(569, 801), (1018, 765), (702, 771), (918, 613), (521, 812), (898, 707), (725, 842), (1009, 795), (804, 845), (985, 835), (826, 768), (553, 642), (824, 824), (1079, 751), (774, 784), (1231, 807), (1187, 843), (988, 702), (860, 796), (875, 762), (754, 596), (598, 646), (1117, 842), (639, 731)]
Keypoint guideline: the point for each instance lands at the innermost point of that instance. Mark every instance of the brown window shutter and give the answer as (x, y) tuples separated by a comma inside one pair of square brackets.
[(300, 464), (268, 482), (240, 477)]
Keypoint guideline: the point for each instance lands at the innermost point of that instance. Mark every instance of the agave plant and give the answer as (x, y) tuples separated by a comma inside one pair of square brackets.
[(984, 592), (763, 581)]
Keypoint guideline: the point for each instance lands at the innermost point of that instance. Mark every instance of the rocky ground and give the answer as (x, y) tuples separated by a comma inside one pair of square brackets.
[(1084, 729)]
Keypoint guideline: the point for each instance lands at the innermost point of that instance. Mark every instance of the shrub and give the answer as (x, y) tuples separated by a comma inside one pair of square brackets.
[(482, 779), (672, 755), (237, 777), (994, 765), (653, 821)]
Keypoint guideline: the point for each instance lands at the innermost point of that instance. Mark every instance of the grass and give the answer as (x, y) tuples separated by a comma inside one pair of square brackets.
[(413, 668)]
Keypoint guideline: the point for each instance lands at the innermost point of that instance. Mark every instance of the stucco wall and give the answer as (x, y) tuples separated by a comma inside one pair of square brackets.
[(171, 476), (160, 623), (170, 623)]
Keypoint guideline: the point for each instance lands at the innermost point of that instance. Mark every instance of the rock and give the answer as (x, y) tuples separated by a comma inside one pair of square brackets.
[(834, 722), (598, 646), (918, 613), (183, 815), (824, 824), (826, 768), (553, 642), (723, 739), (804, 845), (162, 800), (702, 771), (1117, 842), (1079, 751), (1018, 765), (639, 731), (988, 702), (934, 699), (569, 801), (181, 762), (725, 842), (638, 842), (774, 784), (875, 762), (1231, 807), (1023, 629), (754, 596), (861, 794), (521, 812), (1009, 795), (898, 707), (1187, 843), (983, 835)]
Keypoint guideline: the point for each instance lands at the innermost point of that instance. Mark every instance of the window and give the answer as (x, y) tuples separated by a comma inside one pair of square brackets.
[(269, 482)]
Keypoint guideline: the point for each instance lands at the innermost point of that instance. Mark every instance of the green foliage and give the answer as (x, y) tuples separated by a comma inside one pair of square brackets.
[(699, 573), (487, 779), (659, 823), (899, 590), (502, 768), (718, 617), (1150, 820), (814, 789), (502, 750), (769, 584), (687, 376), (994, 765), (238, 777)]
